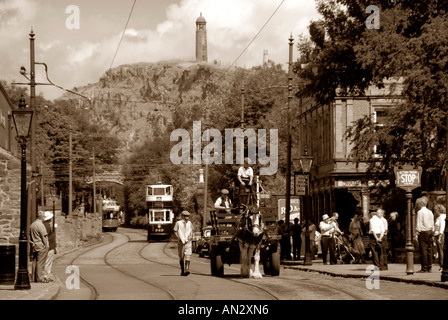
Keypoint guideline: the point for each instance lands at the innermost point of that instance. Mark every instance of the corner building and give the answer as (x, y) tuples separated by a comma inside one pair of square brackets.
[(337, 184)]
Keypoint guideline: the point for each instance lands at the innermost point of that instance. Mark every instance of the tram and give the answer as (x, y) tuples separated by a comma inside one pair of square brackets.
[(111, 214), (159, 204)]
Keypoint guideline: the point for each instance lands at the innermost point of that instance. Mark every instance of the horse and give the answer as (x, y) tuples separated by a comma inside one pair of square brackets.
[(250, 229)]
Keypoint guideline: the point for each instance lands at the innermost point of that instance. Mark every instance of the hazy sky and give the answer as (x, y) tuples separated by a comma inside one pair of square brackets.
[(157, 30)]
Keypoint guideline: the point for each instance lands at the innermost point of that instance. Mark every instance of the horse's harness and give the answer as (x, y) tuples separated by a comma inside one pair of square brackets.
[(245, 226)]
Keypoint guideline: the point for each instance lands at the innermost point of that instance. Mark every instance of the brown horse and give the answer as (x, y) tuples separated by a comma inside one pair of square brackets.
[(249, 231)]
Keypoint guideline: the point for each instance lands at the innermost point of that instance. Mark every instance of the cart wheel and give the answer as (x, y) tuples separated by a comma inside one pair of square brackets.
[(275, 264), (266, 258), (216, 265)]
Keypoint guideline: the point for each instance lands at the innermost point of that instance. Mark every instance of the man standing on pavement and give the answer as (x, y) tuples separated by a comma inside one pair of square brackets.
[(39, 245), (184, 232), (425, 233), (376, 231), (296, 231), (327, 230), (52, 244), (383, 261)]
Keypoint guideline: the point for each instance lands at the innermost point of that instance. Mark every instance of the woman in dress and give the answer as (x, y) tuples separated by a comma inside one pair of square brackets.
[(356, 236)]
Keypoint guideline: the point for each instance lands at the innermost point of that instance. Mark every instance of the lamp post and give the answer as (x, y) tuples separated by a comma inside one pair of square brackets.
[(444, 276), (306, 162), (23, 117), (288, 144)]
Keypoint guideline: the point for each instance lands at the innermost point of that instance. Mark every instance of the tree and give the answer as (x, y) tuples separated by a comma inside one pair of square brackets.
[(410, 45)]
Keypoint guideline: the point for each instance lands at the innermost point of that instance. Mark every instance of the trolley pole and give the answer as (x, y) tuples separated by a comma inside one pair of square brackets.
[(288, 145)]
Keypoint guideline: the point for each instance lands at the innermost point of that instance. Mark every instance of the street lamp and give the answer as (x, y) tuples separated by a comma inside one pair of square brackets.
[(306, 162), (23, 117)]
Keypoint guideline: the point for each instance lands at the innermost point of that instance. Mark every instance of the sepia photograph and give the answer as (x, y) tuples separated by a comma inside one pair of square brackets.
[(224, 158)]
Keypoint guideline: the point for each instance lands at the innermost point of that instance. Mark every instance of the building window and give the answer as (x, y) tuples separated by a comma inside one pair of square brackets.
[(379, 119)]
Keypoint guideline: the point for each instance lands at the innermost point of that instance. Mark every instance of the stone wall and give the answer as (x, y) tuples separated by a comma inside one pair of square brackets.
[(71, 232), (9, 198), (74, 232)]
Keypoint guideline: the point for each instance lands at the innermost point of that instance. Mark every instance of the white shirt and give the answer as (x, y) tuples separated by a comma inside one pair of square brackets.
[(184, 230), (326, 229), (425, 220), (227, 203), (245, 173), (376, 225), (439, 224), (386, 225)]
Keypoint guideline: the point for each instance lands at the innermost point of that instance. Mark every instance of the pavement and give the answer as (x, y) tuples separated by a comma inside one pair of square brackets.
[(395, 272)]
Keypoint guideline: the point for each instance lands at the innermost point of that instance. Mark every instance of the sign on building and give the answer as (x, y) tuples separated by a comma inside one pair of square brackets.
[(294, 209)]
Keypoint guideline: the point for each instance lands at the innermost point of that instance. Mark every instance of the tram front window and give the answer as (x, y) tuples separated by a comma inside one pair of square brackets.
[(158, 216), (159, 191)]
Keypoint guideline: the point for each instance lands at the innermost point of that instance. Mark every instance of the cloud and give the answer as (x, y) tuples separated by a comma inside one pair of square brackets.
[(79, 57)]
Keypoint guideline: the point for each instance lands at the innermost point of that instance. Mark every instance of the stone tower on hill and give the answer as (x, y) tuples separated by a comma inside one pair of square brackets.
[(201, 39)]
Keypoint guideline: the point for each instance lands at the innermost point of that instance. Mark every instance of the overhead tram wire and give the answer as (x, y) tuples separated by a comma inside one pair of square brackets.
[(258, 33), (124, 31)]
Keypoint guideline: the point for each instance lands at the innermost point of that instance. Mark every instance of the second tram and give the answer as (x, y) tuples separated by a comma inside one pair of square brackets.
[(111, 213), (159, 203)]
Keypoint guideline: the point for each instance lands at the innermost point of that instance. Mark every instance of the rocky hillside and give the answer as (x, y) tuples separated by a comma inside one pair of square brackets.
[(145, 100)]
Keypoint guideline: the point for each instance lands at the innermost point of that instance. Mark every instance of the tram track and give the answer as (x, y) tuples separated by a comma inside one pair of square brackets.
[(306, 282), (165, 251), (168, 292), (132, 236), (93, 291)]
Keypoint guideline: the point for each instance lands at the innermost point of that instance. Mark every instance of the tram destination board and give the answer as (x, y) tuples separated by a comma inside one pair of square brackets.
[(408, 178)]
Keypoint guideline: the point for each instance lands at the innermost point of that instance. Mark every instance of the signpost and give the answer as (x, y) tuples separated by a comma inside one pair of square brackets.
[(408, 178), (301, 184)]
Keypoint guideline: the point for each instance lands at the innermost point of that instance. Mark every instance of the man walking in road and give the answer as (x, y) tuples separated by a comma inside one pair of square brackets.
[(184, 232), (39, 245), (425, 232)]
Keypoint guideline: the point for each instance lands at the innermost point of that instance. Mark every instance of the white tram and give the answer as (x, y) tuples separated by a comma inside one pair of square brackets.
[(111, 214), (159, 204)]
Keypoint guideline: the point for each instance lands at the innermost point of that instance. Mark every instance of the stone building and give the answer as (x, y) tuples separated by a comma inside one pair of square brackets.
[(338, 184), (201, 39), (9, 174)]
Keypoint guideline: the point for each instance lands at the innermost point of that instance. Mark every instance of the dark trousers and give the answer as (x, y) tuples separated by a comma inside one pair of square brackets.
[(285, 247), (246, 195), (328, 244), (377, 252), (383, 260), (425, 239), (296, 246), (439, 247)]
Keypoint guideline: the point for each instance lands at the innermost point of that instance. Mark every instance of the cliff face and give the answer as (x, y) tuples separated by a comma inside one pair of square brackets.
[(141, 101)]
